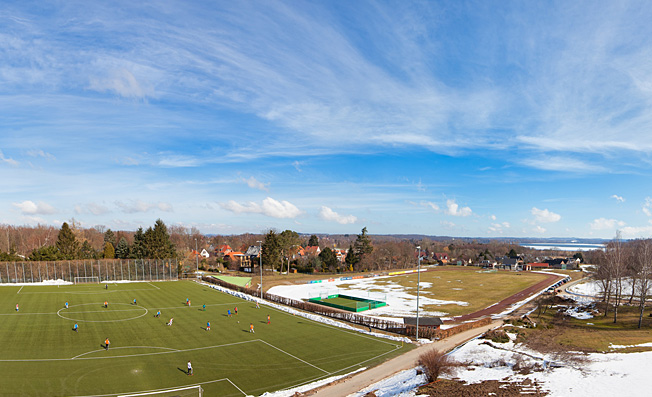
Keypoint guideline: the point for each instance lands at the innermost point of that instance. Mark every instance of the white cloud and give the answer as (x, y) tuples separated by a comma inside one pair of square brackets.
[(178, 161), (255, 184), (647, 206), (31, 208), (330, 215), (606, 224), (7, 160), (448, 224), (618, 198), (269, 207), (539, 229), (455, 210), (297, 165), (637, 231), (493, 217), (545, 216), (134, 206)]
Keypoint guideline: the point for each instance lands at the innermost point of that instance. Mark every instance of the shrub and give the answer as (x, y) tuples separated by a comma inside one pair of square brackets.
[(497, 336), (435, 363)]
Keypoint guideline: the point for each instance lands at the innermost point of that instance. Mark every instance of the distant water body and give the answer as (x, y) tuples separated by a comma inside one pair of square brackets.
[(564, 246)]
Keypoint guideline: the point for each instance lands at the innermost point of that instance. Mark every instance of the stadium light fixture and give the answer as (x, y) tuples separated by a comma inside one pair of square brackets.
[(418, 284), (260, 264)]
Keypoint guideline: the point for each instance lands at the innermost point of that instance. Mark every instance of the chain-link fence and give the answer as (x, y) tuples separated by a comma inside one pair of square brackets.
[(89, 270)]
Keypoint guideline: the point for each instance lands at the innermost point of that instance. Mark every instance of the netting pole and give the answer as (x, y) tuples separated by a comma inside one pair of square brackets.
[(114, 270), (30, 272), (150, 271), (55, 270), (39, 272), (85, 273), (69, 272), (23, 263), (92, 272), (77, 269), (128, 270), (144, 270), (157, 272), (7, 267), (15, 273), (106, 268), (122, 276)]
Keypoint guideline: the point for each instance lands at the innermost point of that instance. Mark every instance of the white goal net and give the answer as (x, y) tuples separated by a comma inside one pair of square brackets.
[(80, 280), (189, 391)]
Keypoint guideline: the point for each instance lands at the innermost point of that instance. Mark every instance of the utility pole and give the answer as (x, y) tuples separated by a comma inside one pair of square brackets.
[(197, 256)]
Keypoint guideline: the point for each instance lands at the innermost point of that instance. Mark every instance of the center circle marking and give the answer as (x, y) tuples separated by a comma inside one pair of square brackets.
[(101, 321)]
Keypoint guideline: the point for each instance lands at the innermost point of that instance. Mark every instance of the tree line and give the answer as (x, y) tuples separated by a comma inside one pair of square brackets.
[(624, 273), (153, 243)]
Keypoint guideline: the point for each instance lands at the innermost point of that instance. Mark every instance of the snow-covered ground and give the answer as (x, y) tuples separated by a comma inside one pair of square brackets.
[(599, 375), (401, 301)]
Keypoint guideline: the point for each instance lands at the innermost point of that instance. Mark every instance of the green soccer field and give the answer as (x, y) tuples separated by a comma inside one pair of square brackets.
[(41, 354)]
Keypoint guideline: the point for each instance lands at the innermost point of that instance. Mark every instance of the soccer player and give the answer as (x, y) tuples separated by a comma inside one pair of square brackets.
[(189, 368), (76, 327), (107, 342), (106, 286), (227, 312), (236, 310), (106, 304), (66, 304), (268, 319), (251, 328), (257, 305), (208, 325), (187, 301), (16, 306), (170, 322), (158, 314), (134, 301), (204, 307)]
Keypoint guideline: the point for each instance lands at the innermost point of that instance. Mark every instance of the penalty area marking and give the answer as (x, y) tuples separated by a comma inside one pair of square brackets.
[(169, 389), (21, 288), (96, 311)]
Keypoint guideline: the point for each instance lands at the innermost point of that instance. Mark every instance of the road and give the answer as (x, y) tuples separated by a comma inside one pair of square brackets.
[(408, 360)]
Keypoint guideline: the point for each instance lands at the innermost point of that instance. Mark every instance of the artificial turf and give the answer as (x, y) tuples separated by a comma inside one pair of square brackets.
[(41, 354)]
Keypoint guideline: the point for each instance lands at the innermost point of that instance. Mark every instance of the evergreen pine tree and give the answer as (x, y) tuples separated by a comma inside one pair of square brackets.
[(87, 251), (271, 250), (109, 237), (314, 241), (66, 243), (137, 250), (122, 249)]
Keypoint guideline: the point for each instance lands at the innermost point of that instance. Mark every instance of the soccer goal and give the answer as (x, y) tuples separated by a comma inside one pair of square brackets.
[(180, 392), (81, 280)]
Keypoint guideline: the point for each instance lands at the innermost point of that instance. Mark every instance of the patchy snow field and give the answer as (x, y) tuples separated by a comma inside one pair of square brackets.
[(401, 301), (600, 375)]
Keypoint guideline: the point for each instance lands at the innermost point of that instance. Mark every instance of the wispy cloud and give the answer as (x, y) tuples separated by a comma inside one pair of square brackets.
[(606, 224), (41, 153), (92, 208), (255, 184), (269, 207), (620, 199), (136, 206), (9, 161), (647, 206), (31, 208), (330, 215)]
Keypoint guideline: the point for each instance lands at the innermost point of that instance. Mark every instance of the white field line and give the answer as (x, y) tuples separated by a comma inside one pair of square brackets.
[(293, 356), (21, 288), (231, 304), (126, 356), (153, 285), (164, 390), (88, 292), (126, 347)]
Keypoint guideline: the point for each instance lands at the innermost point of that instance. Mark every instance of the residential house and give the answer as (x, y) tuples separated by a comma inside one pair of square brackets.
[(428, 322), (441, 257), (536, 266)]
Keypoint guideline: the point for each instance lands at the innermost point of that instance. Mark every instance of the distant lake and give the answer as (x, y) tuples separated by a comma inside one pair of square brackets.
[(564, 246)]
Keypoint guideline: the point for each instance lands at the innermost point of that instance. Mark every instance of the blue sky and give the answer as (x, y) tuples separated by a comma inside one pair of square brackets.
[(488, 118)]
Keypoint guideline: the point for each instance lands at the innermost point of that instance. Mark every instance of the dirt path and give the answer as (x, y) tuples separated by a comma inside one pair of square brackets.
[(408, 360)]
